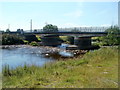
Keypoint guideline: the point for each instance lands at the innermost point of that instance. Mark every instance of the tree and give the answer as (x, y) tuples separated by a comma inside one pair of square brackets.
[(35, 30), (50, 28), (112, 37), (7, 30), (8, 39), (20, 30)]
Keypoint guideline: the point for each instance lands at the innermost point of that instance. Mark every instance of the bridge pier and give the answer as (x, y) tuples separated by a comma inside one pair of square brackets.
[(83, 42), (51, 40)]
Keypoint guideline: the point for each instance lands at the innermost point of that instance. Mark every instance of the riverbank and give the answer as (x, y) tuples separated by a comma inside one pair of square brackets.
[(97, 69)]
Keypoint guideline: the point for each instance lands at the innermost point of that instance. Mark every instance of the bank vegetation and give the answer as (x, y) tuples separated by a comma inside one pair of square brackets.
[(97, 69)]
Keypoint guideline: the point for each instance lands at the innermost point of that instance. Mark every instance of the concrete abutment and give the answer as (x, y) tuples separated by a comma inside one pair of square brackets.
[(83, 42)]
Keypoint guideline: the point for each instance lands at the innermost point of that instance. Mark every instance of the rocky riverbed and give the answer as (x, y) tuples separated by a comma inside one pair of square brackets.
[(18, 55), (47, 51)]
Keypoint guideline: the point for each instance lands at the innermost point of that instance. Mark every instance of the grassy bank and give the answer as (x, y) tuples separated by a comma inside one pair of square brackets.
[(97, 69)]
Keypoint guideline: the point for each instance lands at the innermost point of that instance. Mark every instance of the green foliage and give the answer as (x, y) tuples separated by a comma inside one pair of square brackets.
[(33, 43), (8, 39), (111, 38), (97, 69), (98, 41), (6, 70), (25, 41), (19, 30), (7, 30), (38, 37), (67, 39), (50, 28)]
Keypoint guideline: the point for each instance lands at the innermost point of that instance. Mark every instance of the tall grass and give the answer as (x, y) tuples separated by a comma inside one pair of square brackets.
[(97, 69), (0, 80)]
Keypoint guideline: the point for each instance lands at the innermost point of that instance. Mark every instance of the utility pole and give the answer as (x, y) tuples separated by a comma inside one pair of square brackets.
[(31, 25), (9, 26)]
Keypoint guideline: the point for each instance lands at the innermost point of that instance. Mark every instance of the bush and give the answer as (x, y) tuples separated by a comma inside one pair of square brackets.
[(25, 41), (8, 39), (67, 39), (111, 38), (34, 43), (38, 37)]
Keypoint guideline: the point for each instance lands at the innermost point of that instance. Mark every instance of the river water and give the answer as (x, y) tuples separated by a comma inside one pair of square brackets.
[(28, 55)]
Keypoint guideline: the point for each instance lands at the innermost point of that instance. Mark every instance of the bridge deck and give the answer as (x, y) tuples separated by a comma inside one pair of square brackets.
[(82, 34), (60, 32)]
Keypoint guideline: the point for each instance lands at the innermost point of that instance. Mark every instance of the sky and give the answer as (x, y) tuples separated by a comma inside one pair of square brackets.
[(63, 14)]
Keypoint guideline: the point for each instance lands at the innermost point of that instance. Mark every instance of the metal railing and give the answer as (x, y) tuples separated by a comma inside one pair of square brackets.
[(75, 29)]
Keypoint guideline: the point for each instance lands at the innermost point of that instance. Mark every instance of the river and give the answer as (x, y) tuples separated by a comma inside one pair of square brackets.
[(18, 56)]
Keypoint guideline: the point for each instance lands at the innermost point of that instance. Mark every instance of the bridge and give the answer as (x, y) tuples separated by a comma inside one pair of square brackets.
[(81, 39), (82, 36), (73, 30)]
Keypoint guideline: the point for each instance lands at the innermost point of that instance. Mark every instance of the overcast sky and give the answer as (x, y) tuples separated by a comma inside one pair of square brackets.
[(62, 14)]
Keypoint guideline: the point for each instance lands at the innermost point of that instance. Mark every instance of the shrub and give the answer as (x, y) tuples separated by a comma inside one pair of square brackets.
[(8, 39), (34, 43), (38, 37), (111, 38), (25, 41), (67, 39)]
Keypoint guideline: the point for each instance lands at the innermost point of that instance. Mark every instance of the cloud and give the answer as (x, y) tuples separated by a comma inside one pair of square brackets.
[(75, 14)]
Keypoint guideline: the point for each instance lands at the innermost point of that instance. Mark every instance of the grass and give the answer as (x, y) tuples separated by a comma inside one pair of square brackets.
[(0, 81), (97, 69)]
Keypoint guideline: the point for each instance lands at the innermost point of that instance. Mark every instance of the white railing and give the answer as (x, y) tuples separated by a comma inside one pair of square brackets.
[(85, 29), (80, 29)]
